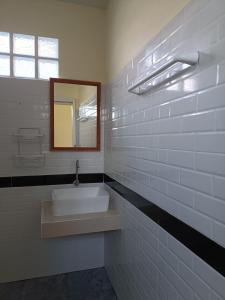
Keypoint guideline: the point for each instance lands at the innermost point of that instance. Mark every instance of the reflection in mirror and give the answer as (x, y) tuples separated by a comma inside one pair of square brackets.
[(75, 115)]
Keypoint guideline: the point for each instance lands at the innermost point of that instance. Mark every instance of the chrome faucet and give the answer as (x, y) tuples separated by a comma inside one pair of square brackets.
[(76, 181)]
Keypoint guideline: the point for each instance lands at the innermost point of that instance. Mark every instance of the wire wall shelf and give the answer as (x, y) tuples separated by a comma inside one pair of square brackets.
[(29, 148)]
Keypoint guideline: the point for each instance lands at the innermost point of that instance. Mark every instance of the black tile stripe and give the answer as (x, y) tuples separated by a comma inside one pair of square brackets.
[(209, 251), (19, 181), (5, 182), (28, 180)]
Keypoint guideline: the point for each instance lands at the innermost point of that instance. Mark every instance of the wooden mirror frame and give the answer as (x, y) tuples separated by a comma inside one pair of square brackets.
[(80, 82)]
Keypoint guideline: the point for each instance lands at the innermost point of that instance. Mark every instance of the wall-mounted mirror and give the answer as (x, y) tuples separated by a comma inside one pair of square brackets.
[(75, 115)]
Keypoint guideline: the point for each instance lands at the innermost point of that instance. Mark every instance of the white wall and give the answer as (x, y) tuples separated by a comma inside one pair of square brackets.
[(23, 254), (169, 145), (88, 133), (144, 262), (131, 24), (80, 30), (25, 103)]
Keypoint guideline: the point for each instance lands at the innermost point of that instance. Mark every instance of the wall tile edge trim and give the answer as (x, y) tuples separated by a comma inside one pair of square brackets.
[(209, 251)]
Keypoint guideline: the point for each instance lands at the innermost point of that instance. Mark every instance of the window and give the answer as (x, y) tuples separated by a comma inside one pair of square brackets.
[(28, 56)]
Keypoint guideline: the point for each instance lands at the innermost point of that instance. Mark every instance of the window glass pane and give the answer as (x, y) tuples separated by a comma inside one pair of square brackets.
[(4, 65), (48, 68), (24, 67), (4, 42), (23, 44), (47, 47)]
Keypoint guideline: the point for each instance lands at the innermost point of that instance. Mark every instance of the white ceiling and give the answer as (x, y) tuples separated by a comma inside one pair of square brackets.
[(102, 4)]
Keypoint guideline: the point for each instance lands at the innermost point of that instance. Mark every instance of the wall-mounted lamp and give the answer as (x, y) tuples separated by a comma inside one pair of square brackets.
[(162, 74)]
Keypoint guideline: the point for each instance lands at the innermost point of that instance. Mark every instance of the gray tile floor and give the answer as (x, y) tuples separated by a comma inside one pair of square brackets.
[(83, 285)]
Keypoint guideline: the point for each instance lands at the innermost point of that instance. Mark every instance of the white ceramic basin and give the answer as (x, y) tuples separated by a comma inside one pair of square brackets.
[(79, 200)]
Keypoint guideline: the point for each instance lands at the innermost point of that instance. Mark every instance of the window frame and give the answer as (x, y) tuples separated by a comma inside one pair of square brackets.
[(36, 57)]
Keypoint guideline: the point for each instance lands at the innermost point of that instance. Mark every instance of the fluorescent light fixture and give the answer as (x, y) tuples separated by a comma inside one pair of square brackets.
[(173, 68)]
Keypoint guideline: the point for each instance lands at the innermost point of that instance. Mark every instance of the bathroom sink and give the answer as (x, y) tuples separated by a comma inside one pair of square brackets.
[(79, 200)]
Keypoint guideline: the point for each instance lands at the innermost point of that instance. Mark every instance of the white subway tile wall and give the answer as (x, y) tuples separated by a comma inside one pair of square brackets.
[(145, 262), (25, 103), (169, 145)]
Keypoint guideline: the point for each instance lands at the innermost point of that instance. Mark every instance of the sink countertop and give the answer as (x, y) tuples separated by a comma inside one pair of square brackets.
[(58, 226)]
